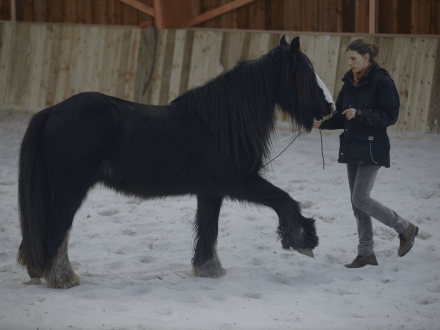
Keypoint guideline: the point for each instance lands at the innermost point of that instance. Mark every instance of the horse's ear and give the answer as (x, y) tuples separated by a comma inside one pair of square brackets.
[(294, 45), (283, 40)]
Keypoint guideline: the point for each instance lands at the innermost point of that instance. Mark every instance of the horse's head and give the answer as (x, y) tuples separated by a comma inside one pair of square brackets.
[(306, 98)]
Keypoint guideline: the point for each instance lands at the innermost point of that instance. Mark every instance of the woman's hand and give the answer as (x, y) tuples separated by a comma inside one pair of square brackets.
[(316, 124), (349, 113)]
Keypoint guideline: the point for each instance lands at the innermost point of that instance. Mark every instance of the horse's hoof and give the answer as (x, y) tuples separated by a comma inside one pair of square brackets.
[(69, 283), (211, 268), (306, 252), (34, 280)]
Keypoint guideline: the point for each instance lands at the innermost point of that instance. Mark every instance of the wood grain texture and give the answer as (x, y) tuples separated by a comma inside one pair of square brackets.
[(144, 66), (309, 15), (433, 122), (177, 64), (425, 88), (43, 64), (205, 57)]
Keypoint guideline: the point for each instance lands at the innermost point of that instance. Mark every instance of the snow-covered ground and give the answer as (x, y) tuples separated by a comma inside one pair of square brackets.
[(133, 256)]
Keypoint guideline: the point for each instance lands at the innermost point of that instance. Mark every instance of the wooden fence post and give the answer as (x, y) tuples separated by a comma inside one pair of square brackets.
[(13, 11)]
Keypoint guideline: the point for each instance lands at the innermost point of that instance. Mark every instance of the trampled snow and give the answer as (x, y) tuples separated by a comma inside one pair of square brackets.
[(133, 256)]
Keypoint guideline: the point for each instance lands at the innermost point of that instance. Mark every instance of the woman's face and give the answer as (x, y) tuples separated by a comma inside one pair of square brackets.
[(356, 61)]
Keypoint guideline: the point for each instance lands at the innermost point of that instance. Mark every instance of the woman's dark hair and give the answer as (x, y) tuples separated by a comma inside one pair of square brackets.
[(363, 47)]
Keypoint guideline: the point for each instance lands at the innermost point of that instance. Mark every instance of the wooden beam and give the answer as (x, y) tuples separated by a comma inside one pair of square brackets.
[(372, 23), (217, 12), (13, 13), (140, 6)]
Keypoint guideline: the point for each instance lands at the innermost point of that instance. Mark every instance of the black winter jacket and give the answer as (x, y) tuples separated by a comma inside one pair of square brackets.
[(375, 98)]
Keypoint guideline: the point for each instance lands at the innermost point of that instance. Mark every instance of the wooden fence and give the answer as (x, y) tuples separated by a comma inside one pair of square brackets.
[(43, 64), (393, 16)]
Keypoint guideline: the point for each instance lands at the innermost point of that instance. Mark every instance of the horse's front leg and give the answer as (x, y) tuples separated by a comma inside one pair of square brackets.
[(205, 260), (294, 230)]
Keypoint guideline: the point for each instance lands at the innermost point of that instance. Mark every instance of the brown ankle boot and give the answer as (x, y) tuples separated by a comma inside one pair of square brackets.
[(407, 239), (362, 261)]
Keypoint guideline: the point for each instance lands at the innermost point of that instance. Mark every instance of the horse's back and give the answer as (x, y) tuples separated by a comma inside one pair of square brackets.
[(134, 148)]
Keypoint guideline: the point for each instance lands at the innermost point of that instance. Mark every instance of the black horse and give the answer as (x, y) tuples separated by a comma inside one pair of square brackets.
[(211, 142)]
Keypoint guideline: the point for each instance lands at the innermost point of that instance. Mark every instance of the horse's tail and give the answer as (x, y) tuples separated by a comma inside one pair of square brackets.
[(34, 195)]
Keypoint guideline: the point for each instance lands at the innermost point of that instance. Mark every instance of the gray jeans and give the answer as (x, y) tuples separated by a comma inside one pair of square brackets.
[(361, 180)]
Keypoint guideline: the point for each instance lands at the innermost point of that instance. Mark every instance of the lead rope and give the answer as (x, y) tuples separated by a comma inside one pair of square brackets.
[(285, 147), (322, 150)]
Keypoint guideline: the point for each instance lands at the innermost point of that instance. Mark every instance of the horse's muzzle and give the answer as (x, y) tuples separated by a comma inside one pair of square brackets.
[(333, 107)]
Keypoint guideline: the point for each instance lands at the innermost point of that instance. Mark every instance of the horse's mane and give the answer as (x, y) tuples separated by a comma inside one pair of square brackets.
[(239, 105)]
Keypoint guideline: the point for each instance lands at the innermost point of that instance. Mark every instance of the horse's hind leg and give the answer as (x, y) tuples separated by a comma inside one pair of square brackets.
[(68, 195), (205, 261), (61, 274)]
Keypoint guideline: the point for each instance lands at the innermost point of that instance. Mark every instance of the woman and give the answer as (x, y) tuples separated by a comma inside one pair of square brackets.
[(367, 104)]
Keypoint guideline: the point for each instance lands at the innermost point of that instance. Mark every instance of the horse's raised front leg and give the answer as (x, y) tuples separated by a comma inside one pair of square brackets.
[(294, 230), (205, 260)]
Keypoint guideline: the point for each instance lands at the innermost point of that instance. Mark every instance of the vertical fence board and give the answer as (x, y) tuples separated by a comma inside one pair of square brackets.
[(46, 64), (328, 62), (166, 73), (93, 55), (231, 49), (7, 34), (81, 62), (397, 55), (205, 57), (259, 45), (38, 35), (433, 124), (342, 66), (122, 64), (177, 65), (414, 85), (145, 62), (17, 81), (404, 82), (425, 85), (108, 73), (130, 75), (156, 82), (62, 82), (385, 58), (187, 55), (54, 65)]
